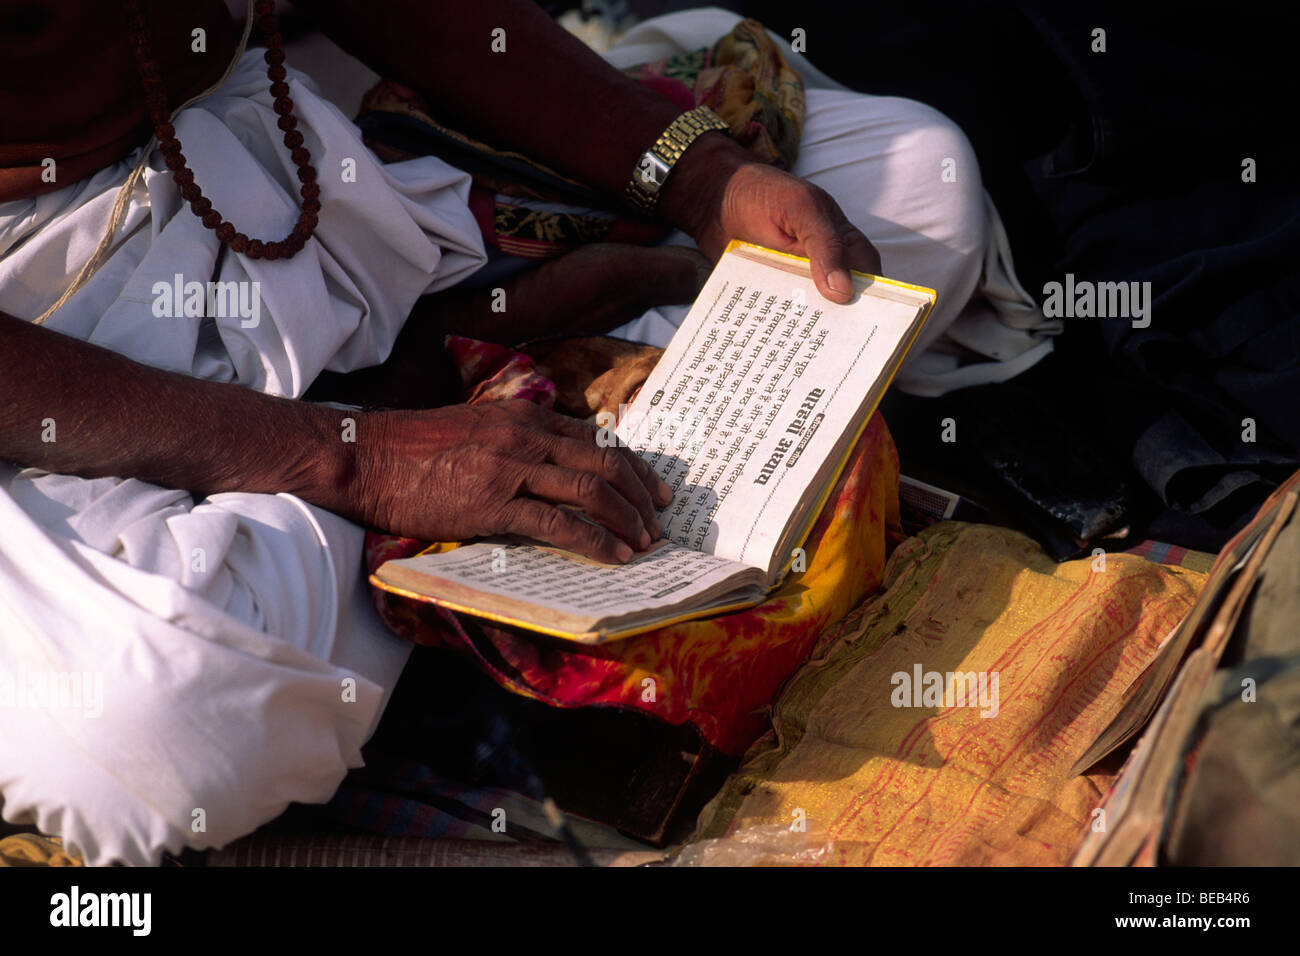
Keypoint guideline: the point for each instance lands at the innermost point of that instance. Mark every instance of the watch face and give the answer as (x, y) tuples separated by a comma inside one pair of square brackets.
[(651, 172)]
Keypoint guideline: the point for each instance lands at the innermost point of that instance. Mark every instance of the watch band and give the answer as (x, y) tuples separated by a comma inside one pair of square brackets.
[(656, 163)]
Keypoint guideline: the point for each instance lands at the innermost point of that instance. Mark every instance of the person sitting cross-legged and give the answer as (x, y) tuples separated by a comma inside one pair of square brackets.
[(180, 529)]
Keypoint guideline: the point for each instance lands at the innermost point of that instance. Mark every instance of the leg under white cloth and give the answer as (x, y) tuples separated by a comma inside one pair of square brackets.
[(235, 662), (227, 656), (881, 159), (906, 176)]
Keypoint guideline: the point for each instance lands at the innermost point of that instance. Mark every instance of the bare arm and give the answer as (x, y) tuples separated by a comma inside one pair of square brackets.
[(550, 97), (109, 415), (547, 94), (445, 474)]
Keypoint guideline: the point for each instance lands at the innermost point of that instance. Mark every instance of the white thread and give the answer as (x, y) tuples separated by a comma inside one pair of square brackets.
[(124, 194)]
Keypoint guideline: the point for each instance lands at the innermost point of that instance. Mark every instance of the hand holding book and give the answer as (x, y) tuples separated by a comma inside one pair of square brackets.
[(720, 192)]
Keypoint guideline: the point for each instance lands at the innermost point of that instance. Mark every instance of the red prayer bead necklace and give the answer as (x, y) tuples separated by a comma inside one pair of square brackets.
[(156, 101)]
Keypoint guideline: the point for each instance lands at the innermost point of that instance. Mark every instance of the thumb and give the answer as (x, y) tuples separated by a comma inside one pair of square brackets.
[(834, 246)]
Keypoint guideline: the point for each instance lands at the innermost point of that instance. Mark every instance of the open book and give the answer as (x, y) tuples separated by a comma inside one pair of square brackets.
[(750, 416)]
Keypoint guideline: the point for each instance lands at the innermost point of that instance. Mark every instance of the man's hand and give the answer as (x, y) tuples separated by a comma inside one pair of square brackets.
[(718, 193), (503, 468)]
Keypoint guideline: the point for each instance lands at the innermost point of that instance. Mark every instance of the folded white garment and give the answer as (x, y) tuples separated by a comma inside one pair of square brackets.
[(175, 673)]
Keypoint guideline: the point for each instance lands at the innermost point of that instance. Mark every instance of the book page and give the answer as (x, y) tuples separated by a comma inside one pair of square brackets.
[(527, 575), (753, 393)]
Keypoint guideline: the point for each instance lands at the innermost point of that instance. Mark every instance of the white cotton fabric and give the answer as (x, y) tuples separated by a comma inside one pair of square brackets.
[(241, 662), (881, 159)]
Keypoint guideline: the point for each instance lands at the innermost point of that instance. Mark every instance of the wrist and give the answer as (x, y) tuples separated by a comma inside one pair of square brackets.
[(327, 466), (693, 193)]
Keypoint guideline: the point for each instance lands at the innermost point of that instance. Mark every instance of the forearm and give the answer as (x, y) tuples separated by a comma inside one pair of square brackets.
[(74, 408), (547, 95)]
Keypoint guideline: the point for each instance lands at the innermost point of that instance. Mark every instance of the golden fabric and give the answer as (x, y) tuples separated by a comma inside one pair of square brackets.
[(27, 849), (908, 785)]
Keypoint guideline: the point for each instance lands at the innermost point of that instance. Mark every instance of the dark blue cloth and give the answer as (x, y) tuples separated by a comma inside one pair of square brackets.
[(1149, 187)]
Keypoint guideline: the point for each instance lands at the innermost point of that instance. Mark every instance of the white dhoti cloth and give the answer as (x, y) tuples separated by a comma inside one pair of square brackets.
[(240, 662), (174, 674)]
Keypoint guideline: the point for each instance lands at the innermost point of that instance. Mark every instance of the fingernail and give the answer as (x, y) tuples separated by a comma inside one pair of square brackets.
[(840, 282), (665, 492), (656, 529), (623, 552), (644, 541)]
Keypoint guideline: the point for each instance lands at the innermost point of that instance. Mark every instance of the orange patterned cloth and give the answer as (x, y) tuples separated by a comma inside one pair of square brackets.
[(745, 79), (719, 674)]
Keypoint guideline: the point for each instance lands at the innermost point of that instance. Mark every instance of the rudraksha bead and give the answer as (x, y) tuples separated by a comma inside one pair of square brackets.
[(170, 147)]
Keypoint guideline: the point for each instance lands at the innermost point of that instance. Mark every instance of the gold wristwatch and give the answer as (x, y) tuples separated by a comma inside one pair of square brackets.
[(657, 162)]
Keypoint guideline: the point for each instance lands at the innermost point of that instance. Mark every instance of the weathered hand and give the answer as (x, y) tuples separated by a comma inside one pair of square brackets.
[(719, 193), (459, 472)]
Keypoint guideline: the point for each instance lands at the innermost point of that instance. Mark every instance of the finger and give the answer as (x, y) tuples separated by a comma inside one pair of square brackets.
[(659, 491), (828, 255), (594, 495), (833, 245), (572, 443), (613, 464), (563, 529), (861, 254)]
